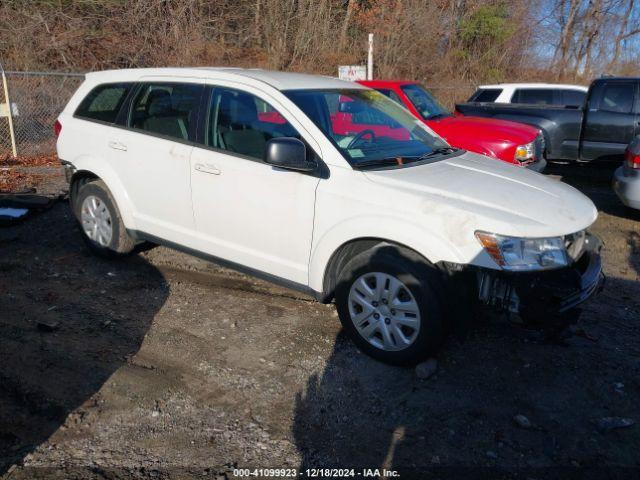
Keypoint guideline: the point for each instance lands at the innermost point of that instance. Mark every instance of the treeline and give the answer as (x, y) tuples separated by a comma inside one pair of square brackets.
[(452, 42)]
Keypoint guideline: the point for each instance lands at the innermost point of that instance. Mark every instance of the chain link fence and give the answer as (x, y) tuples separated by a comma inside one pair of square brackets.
[(448, 96), (36, 99)]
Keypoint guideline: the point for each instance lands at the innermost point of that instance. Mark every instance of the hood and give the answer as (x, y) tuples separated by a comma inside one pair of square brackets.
[(459, 128), (478, 193)]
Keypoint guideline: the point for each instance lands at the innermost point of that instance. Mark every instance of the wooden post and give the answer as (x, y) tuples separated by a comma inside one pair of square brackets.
[(9, 114)]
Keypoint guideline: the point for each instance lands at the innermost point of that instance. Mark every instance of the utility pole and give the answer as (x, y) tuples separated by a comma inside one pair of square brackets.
[(370, 58)]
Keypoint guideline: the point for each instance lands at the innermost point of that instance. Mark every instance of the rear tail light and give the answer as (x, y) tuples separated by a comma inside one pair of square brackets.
[(57, 128), (631, 159)]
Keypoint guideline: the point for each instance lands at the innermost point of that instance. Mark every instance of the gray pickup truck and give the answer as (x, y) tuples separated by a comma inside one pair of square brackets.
[(600, 129)]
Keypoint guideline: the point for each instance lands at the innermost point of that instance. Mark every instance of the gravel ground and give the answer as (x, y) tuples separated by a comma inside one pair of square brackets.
[(165, 366)]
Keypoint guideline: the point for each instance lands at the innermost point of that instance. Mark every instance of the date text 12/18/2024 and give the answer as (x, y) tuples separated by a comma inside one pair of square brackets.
[(316, 473)]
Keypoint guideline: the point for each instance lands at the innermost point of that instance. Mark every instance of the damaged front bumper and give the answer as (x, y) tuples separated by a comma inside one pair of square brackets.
[(538, 296)]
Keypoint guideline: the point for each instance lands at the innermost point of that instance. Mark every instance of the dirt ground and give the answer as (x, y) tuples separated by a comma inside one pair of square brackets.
[(165, 366)]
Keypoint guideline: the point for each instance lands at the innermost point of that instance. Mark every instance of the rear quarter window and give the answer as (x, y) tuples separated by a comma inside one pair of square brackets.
[(486, 95), (104, 102)]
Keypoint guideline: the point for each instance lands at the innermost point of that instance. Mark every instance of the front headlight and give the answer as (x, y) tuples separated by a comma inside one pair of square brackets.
[(513, 253), (525, 153)]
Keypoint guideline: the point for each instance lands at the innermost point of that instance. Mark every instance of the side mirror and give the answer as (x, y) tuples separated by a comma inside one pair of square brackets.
[(289, 153)]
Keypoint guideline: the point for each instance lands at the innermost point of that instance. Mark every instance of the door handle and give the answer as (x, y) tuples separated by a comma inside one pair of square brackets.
[(207, 168), (118, 146)]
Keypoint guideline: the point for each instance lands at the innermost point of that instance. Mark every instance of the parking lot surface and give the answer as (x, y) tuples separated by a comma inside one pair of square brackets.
[(163, 365)]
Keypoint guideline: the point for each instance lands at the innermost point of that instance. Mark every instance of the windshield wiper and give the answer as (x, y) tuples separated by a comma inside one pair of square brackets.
[(398, 161), (439, 151), (383, 162), (438, 115)]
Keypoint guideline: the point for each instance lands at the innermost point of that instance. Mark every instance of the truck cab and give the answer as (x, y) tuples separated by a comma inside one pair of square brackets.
[(610, 119)]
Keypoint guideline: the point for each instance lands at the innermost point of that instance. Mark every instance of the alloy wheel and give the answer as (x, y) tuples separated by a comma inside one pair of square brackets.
[(96, 220), (384, 311)]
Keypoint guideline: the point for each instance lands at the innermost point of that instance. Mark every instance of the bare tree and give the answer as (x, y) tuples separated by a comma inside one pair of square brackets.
[(623, 32), (567, 13), (447, 42), (351, 6)]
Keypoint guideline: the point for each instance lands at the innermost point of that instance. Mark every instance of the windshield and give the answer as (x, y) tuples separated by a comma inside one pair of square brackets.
[(367, 127), (427, 106)]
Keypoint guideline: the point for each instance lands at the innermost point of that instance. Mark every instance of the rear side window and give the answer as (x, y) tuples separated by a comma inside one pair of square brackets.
[(167, 109), (486, 95), (573, 98), (104, 102), (534, 96)]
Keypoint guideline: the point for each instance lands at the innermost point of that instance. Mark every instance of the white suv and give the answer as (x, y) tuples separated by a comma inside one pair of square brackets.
[(245, 167), (532, 94)]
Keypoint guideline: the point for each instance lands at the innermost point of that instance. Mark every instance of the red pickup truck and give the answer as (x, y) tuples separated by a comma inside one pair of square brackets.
[(511, 142)]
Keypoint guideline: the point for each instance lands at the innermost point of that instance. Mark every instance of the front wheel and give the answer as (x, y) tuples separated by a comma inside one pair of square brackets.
[(387, 300)]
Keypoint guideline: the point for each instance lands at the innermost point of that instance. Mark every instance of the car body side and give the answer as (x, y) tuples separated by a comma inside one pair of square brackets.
[(626, 178), (436, 221), (334, 226)]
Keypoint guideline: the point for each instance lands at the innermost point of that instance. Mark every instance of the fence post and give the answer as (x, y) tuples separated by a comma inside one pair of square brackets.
[(9, 113)]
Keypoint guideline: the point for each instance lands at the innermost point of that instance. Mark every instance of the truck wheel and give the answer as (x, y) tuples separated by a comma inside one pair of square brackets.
[(100, 222), (386, 300)]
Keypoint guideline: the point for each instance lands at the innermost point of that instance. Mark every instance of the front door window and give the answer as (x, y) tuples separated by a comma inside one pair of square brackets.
[(242, 123)]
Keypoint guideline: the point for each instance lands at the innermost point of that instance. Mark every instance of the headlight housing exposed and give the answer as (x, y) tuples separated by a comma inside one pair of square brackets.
[(518, 254), (525, 153)]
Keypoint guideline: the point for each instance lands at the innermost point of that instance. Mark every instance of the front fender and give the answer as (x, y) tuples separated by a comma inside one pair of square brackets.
[(488, 150), (430, 245), (482, 149)]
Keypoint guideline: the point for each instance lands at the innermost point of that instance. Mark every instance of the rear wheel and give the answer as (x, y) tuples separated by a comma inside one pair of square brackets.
[(387, 301), (100, 222)]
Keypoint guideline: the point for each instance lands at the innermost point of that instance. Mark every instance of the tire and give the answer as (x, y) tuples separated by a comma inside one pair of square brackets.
[(94, 201), (418, 284)]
